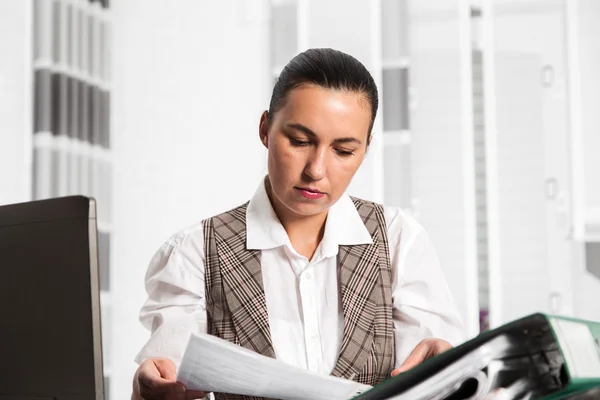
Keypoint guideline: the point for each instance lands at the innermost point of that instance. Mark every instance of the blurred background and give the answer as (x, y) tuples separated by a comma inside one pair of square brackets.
[(487, 132)]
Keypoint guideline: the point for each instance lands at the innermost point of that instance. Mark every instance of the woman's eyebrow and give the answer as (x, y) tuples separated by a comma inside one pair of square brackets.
[(306, 130), (302, 128)]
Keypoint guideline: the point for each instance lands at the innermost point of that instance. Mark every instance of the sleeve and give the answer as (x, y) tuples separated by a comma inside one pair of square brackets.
[(175, 306), (422, 304)]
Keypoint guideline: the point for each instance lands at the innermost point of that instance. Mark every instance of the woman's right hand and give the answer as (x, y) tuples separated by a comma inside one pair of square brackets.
[(155, 379)]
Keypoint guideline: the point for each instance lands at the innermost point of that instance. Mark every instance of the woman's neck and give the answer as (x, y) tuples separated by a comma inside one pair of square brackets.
[(305, 232)]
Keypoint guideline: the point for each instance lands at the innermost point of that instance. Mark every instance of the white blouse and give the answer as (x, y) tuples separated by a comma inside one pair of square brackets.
[(303, 302)]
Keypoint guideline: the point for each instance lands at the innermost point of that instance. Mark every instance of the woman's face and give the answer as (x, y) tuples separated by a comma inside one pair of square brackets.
[(316, 143)]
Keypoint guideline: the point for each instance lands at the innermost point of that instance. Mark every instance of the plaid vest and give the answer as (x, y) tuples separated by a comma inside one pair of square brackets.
[(237, 310)]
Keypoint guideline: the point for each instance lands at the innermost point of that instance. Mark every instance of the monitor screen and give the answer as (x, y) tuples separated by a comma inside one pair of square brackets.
[(50, 334)]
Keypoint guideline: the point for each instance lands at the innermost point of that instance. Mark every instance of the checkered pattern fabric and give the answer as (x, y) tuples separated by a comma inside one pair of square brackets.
[(236, 306)]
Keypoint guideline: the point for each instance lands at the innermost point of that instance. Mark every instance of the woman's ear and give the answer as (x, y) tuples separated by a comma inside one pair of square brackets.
[(263, 128)]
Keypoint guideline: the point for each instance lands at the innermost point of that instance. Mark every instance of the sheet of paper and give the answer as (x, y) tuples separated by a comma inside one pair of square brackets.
[(216, 365)]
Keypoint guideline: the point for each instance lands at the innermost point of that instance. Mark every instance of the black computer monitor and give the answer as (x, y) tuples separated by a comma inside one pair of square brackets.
[(50, 334)]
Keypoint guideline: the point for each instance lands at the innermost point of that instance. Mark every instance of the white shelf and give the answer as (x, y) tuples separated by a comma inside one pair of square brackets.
[(84, 76), (395, 63), (277, 3), (591, 225), (46, 140), (396, 138)]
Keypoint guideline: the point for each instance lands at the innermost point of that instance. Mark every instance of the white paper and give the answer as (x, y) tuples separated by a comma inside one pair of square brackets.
[(215, 365)]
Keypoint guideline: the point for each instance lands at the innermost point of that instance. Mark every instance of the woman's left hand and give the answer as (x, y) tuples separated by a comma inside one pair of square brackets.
[(426, 349)]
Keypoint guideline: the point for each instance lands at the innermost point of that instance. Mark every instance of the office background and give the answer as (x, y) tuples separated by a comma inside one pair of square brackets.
[(488, 132)]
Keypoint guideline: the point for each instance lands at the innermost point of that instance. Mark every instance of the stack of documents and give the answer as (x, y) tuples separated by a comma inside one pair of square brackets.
[(538, 356), (215, 365)]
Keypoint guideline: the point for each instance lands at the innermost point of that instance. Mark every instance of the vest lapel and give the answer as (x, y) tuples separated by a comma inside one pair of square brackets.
[(243, 283), (359, 272)]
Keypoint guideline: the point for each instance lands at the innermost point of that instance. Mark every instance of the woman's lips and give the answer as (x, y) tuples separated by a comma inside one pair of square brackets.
[(310, 193)]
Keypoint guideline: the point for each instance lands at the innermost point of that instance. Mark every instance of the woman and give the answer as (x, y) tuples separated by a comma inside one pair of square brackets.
[(303, 272)]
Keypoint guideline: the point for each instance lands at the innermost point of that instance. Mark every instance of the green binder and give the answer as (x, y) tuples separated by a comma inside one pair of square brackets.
[(539, 356)]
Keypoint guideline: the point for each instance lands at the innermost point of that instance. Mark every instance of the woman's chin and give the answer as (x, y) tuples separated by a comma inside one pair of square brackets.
[(306, 208)]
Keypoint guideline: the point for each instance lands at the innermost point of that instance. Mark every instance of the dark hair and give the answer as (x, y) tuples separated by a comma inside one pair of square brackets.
[(327, 68)]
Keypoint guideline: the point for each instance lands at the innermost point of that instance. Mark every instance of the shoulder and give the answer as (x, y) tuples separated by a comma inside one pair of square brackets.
[(180, 254), (195, 232), (407, 240), (236, 214), (396, 218), (402, 228), (187, 240)]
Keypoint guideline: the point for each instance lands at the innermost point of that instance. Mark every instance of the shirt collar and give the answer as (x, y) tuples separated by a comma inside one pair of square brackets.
[(344, 226), (264, 231)]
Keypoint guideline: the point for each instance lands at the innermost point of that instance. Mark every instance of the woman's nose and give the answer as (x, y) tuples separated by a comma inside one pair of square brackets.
[(316, 165)]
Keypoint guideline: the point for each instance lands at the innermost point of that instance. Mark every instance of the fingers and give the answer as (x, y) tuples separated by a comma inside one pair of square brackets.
[(194, 394), (441, 346), (416, 357), (156, 373), (426, 349), (163, 390), (156, 380), (166, 368)]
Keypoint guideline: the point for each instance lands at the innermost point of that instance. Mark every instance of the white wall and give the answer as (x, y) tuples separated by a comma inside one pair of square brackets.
[(15, 101), (190, 81)]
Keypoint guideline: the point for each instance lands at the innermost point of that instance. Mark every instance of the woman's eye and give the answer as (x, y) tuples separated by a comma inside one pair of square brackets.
[(344, 153), (297, 142)]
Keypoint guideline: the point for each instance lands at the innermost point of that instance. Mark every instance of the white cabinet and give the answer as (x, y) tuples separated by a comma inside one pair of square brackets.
[(583, 30), (583, 24), (541, 88)]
